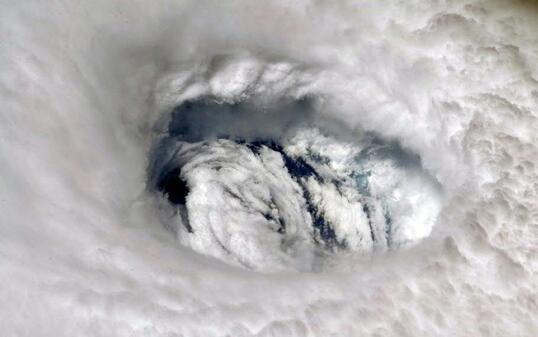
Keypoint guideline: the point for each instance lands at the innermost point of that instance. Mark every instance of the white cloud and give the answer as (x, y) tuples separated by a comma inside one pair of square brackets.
[(86, 91)]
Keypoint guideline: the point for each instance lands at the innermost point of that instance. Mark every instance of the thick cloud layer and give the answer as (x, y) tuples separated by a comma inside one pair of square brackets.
[(89, 245)]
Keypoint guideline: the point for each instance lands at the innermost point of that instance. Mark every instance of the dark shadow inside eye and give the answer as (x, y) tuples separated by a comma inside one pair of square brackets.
[(206, 118), (174, 187)]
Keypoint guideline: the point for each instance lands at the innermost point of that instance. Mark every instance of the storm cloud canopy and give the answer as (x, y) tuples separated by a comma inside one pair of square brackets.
[(268, 168)]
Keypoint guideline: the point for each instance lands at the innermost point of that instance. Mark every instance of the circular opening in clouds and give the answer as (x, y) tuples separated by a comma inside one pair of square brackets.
[(278, 186)]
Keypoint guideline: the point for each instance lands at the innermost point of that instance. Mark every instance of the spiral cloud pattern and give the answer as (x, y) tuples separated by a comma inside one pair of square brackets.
[(269, 168)]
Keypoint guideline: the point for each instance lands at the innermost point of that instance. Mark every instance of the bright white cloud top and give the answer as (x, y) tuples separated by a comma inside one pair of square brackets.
[(268, 168)]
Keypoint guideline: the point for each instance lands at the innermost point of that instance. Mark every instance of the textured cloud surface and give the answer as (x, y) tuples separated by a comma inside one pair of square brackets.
[(268, 168)]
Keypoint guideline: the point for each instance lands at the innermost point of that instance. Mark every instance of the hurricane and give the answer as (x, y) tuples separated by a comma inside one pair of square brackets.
[(268, 168)]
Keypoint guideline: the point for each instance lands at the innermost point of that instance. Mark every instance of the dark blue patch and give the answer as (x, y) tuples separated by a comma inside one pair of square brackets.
[(366, 211), (322, 226), (297, 167), (176, 190), (361, 181), (388, 227), (174, 187), (282, 224)]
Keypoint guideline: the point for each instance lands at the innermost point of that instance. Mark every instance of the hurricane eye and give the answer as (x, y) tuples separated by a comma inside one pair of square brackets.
[(282, 187)]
